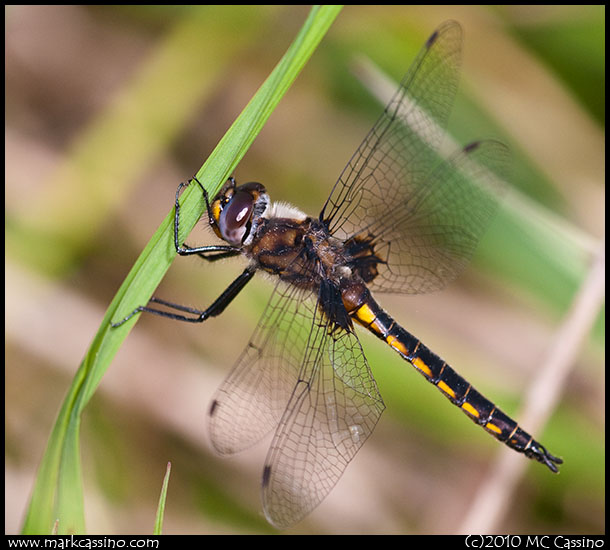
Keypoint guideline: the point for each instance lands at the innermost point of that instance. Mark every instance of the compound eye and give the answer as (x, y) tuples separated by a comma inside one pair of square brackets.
[(235, 216)]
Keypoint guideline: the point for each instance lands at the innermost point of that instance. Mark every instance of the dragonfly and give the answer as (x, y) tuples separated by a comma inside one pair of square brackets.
[(402, 219)]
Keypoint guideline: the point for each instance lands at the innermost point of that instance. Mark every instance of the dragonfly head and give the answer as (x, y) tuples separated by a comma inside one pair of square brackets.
[(236, 211)]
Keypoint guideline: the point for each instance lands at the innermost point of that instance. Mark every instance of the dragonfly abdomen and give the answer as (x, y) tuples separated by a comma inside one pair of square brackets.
[(459, 391)]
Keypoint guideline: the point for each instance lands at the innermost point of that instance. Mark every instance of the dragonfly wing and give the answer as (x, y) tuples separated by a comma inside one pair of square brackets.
[(428, 239), (332, 410), (405, 138), (250, 402), (421, 215)]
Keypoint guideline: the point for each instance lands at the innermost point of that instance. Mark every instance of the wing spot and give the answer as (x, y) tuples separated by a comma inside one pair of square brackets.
[(266, 475)]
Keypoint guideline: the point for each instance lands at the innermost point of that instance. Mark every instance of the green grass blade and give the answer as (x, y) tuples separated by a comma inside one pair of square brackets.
[(58, 490), (161, 508), (143, 118)]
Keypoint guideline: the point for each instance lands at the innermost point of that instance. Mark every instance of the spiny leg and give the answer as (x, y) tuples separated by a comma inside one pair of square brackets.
[(217, 307), (209, 253)]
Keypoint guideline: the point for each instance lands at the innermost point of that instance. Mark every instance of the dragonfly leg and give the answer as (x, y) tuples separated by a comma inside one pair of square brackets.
[(210, 253), (198, 316)]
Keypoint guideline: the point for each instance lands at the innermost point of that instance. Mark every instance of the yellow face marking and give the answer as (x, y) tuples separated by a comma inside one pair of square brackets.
[(493, 428), (444, 387), (216, 210), (470, 410), (365, 315)]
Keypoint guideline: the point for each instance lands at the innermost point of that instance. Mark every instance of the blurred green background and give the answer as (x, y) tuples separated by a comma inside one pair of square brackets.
[(109, 108)]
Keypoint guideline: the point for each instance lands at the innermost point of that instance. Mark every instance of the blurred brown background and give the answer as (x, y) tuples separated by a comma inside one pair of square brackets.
[(100, 129)]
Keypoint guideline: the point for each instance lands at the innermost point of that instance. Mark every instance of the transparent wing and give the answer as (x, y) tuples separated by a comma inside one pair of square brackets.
[(251, 400), (332, 410), (421, 105), (422, 214), (429, 238)]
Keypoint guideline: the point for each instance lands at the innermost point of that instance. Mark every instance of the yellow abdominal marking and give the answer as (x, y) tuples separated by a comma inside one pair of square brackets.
[(470, 409), (444, 387), (396, 344), (493, 428), (418, 363), (365, 315)]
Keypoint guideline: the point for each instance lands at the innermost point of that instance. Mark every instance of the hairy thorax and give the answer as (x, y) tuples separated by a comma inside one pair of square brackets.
[(300, 252)]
